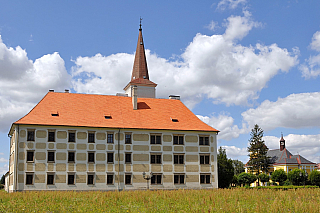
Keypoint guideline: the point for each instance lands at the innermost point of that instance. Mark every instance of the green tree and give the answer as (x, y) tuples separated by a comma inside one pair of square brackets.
[(314, 177), (246, 178), (297, 177), (238, 166), (225, 169), (2, 180), (234, 181), (258, 161), (263, 178), (279, 176)]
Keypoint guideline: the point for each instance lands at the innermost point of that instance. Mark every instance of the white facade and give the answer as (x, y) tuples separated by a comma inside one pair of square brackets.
[(143, 91)]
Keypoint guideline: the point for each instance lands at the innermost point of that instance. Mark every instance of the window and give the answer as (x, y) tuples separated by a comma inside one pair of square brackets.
[(128, 138), (110, 179), (178, 159), (30, 135), (51, 136), (90, 157), (72, 137), (91, 137), (29, 179), (71, 178), (204, 140), (50, 179), (90, 179), (110, 138), (155, 159), (71, 157), (110, 157), (179, 178), (178, 139), (128, 178), (51, 156), (128, 158), (205, 159), (156, 179), (155, 139), (30, 156), (205, 178)]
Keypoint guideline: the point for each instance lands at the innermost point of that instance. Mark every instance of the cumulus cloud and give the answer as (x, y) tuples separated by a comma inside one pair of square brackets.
[(24, 82), (315, 43), (215, 67), (2, 160), (294, 111), (224, 124), (212, 26), (230, 4)]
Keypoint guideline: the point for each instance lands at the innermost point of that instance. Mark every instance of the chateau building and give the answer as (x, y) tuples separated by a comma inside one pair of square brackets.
[(74, 141)]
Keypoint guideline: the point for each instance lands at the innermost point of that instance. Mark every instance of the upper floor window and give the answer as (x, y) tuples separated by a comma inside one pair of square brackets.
[(178, 140), (72, 137), (110, 138), (91, 137), (71, 157), (30, 135), (110, 157), (50, 156), (128, 157), (204, 159), (30, 156), (178, 158), (90, 157), (51, 136), (203, 140), (128, 138), (155, 139), (155, 158)]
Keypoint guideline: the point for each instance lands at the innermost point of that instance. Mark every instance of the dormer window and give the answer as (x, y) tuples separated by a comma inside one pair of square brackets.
[(174, 120), (55, 114), (108, 117)]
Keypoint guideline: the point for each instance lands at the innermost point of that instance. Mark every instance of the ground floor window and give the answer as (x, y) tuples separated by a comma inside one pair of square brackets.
[(50, 179), (128, 179), (110, 178), (29, 178), (179, 178), (205, 178), (71, 178), (90, 179), (156, 179)]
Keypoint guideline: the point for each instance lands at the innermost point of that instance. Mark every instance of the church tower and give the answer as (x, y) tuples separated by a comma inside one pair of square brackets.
[(140, 76), (282, 143)]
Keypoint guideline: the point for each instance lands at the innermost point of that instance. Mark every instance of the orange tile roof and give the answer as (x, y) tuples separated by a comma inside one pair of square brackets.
[(90, 110)]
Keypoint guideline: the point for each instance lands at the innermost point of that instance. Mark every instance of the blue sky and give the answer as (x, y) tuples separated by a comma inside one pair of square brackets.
[(235, 63)]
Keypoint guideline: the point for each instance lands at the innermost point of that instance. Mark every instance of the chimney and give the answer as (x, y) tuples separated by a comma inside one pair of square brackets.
[(282, 143), (176, 97), (135, 97), (66, 91)]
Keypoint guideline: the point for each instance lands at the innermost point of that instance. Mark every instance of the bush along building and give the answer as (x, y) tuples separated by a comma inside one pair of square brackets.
[(100, 142)]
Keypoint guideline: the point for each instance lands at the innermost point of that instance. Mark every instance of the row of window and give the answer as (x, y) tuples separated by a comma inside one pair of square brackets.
[(156, 179), (154, 138), (155, 158)]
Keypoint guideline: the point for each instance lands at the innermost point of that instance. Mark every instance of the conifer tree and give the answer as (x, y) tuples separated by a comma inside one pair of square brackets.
[(257, 149), (225, 169)]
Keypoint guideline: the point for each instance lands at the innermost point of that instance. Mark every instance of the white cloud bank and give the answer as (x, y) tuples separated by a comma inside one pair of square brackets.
[(311, 67)]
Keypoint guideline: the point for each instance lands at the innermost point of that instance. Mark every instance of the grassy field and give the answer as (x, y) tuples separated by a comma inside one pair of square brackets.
[(220, 200)]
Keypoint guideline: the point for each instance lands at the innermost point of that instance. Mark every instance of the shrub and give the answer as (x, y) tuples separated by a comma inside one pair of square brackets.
[(279, 176), (287, 183), (263, 178), (298, 177), (246, 178), (314, 177)]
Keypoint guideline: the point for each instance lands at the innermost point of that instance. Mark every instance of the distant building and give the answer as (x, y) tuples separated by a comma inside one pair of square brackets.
[(102, 142)]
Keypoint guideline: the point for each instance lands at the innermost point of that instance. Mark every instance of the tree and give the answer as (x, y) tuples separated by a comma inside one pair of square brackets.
[(259, 161), (234, 181), (314, 177), (263, 178), (2, 180), (225, 169), (238, 167), (297, 177), (279, 176), (246, 178)]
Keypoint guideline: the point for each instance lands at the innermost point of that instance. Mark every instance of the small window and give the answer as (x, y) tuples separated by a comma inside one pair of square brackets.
[(156, 179), (179, 178), (174, 120), (50, 179), (204, 140), (90, 157), (205, 159), (155, 139), (30, 156), (128, 138), (91, 137), (110, 138), (30, 135), (110, 179), (205, 179), (72, 137), (178, 140), (155, 159), (51, 136), (71, 178), (178, 159), (128, 158), (29, 179), (51, 156), (54, 114), (107, 117), (90, 179), (128, 179), (71, 157), (110, 157)]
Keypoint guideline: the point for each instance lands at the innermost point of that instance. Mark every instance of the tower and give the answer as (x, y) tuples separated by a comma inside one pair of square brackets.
[(282, 143), (140, 75)]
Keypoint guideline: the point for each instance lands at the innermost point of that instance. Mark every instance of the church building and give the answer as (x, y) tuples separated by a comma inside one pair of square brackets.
[(129, 141)]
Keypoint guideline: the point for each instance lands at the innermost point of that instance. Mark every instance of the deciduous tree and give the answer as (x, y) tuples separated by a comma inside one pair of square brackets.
[(279, 176), (314, 177), (297, 176), (238, 166), (246, 178), (263, 178), (225, 169)]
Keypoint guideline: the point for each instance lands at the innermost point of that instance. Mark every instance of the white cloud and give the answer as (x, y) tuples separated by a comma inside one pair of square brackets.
[(294, 111), (23, 82), (2, 160), (306, 145), (230, 4), (212, 26), (215, 67), (236, 153), (315, 43)]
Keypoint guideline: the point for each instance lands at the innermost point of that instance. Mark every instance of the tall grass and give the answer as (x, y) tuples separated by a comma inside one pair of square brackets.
[(219, 200)]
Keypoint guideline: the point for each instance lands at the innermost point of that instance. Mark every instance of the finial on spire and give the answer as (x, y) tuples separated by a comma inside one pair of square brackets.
[(140, 23)]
